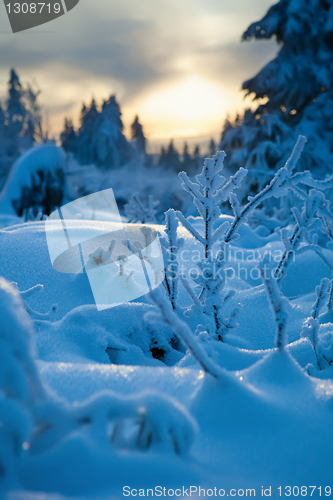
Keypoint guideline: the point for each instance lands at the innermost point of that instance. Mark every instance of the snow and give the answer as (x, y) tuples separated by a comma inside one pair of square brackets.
[(253, 431)]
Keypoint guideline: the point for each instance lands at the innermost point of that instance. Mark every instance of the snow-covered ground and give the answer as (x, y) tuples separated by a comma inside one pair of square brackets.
[(219, 382), (268, 425)]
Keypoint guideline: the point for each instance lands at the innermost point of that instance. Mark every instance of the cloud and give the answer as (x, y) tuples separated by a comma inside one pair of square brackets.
[(132, 47), (234, 63)]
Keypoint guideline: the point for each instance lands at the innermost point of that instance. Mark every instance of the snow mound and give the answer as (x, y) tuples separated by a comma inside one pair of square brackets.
[(47, 157)]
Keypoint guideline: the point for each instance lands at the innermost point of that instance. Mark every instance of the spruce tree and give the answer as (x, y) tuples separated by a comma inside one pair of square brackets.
[(293, 91), (68, 137), (20, 127), (212, 148), (111, 146), (172, 157), (86, 133), (197, 158), (100, 139), (162, 157), (3, 147), (187, 162), (138, 137), (20, 123)]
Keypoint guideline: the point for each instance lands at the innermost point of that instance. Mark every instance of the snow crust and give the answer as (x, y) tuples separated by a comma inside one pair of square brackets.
[(272, 425)]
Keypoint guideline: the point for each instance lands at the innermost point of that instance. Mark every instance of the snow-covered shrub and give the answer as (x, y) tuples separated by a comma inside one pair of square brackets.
[(137, 212), (207, 288), (208, 193), (36, 182), (304, 223)]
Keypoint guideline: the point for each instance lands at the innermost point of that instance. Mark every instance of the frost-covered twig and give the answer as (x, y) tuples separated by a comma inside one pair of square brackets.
[(330, 297), (311, 325), (183, 331), (275, 188), (278, 305), (210, 190), (171, 244), (303, 223), (25, 294), (210, 303), (321, 292), (310, 330), (137, 212)]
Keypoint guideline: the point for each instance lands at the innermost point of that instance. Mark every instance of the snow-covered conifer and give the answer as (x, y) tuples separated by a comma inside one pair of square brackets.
[(169, 158), (212, 148), (297, 92), (4, 163), (85, 139), (20, 122), (68, 137), (100, 139), (138, 137)]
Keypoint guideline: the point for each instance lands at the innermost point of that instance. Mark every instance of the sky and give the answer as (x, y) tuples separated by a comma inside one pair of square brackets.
[(178, 64)]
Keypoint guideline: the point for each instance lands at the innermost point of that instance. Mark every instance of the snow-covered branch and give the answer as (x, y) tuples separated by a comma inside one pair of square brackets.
[(182, 330), (275, 188), (278, 305)]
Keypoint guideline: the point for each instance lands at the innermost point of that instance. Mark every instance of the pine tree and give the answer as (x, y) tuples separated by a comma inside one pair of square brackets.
[(86, 133), (20, 126), (297, 93), (138, 137), (16, 111), (111, 146), (212, 148), (161, 158), (100, 139), (170, 158), (187, 162), (3, 149), (20, 122), (197, 158), (68, 137)]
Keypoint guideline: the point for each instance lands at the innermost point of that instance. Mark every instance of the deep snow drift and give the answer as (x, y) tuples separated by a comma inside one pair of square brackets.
[(218, 381), (272, 428)]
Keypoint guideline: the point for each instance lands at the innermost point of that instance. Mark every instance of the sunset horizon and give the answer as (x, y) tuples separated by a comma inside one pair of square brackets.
[(181, 82)]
